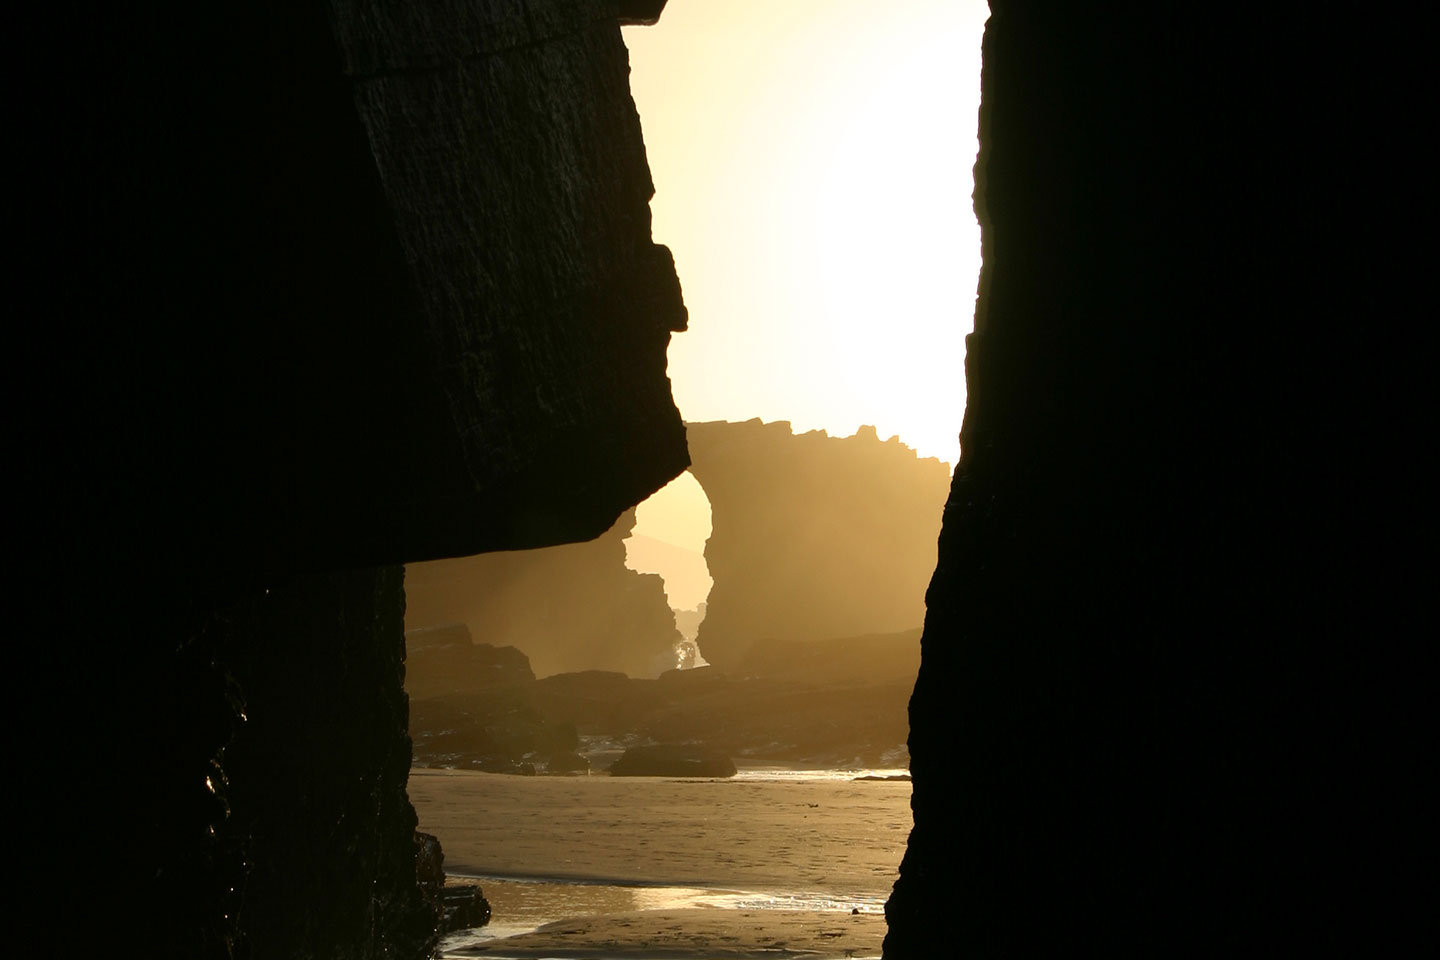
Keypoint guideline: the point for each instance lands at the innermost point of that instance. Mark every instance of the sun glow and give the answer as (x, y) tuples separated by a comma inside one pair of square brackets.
[(812, 162)]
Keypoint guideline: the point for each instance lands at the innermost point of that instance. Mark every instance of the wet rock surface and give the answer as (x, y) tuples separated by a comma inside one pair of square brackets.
[(459, 904), (465, 907)]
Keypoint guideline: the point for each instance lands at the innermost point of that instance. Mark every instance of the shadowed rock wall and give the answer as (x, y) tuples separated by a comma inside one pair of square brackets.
[(510, 154), (356, 285), (316, 773), (569, 607), (311, 290), (814, 537), (1155, 713)]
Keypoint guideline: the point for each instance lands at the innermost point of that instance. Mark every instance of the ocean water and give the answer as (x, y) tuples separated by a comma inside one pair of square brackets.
[(552, 849)]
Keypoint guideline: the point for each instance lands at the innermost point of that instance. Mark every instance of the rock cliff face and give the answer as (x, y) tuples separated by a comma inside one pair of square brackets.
[(1155, 714), (814, 537), (570, 607), (312, 292), (576, 285), (317, 771), (327, 288)]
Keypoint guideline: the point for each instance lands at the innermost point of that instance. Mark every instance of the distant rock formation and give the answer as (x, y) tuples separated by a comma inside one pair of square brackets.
[(824, 702), (687, 581), (568, 608), (567, 763), (673, 760), (873, 659), (814, 536), (441, 660), (688, 621)]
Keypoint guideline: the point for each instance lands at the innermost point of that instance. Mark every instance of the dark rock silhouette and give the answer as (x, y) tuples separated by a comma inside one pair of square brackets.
[(567, 608), (429, 860), (465, 907), (838, 702), (814, 537), (672, 760), (827, 702), (594, 700), (462, 904), (567, 762), (301, 759), (299, 301), (441, 660), (496, 729), (310, 293), (870, 659), (1161, 709), (641, 12)]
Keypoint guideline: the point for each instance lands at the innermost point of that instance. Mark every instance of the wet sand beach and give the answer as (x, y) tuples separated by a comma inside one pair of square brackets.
[(648, 867), (694, 934)]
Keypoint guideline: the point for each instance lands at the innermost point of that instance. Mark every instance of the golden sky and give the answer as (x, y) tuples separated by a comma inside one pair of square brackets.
[(812, 165)]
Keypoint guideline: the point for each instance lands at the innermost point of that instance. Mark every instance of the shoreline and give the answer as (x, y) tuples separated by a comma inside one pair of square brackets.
[(577, 880), (682, 895), (690, 934), (650, 868), (826, 836)]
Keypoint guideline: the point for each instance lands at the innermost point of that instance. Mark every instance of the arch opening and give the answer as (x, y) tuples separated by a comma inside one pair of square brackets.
[(668, 539), (811, 166)]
